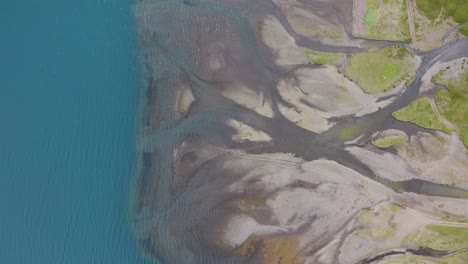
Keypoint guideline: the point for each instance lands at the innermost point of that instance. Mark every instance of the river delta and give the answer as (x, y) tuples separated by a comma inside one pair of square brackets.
[(294, 131)]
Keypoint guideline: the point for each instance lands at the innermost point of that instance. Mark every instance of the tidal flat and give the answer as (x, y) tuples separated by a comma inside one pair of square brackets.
[(292, 131)]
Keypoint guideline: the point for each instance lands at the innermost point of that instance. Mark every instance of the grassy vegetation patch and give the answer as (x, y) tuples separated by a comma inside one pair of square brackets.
[(350, 132), (377, 233), (395, 208), (458, 9), (373, 4), (453, 103), (387, 21), (464, 30), (380, 70), (430, 8), (319, 57), (390, 70), (437, 79), (371, 17), (386, 142), (420, 112), (441, 237), (378, 225), (458, 258)]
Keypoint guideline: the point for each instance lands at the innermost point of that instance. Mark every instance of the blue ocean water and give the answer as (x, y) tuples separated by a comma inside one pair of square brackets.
[(70, 86)]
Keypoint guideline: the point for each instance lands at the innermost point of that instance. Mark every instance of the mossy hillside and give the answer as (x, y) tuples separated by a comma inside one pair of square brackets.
[(458, 9), (388, 141), (319, 57), (420, 112), (381, 70), (387, 20), (453, 103), (440, 237)]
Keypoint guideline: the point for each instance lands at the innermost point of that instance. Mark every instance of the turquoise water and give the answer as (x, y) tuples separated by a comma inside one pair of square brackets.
[(70, 90)]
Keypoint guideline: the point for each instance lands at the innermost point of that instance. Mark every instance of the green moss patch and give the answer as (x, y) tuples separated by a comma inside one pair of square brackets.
[(319, 57), (420, 112), (380, 70), (441, 237), (453, 103), (386, 142), (371, 17)]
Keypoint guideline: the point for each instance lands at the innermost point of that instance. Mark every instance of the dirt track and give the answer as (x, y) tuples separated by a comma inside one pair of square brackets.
[(359, 9), (409, 7)]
